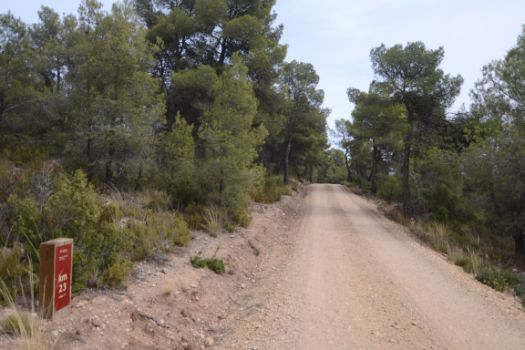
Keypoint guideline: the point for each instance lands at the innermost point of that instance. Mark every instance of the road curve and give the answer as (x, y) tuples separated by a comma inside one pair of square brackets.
[(355, 280)]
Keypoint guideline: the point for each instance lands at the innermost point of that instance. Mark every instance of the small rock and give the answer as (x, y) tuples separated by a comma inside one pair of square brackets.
[(243, 286), (81, 303), (95, 322), (164, 271), (209, 341)]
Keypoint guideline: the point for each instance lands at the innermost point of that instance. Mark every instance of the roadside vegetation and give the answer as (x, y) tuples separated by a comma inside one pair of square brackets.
[(456, 180), (124, 130)]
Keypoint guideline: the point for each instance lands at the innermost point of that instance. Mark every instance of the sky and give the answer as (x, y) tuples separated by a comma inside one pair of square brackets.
[(336, 36)]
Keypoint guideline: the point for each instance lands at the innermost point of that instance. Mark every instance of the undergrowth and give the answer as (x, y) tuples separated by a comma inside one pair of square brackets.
[(463, 250), (213, 263)]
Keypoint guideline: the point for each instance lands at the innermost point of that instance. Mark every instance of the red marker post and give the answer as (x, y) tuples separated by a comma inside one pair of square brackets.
[(56, 272)]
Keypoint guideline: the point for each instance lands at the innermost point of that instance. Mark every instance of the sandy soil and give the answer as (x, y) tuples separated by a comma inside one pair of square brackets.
[(320, 270)]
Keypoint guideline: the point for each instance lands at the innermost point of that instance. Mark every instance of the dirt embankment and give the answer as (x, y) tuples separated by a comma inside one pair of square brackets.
[(171, 305)]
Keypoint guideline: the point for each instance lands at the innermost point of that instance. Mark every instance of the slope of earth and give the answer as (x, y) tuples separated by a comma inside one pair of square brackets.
[(355, 280), (171, 305)]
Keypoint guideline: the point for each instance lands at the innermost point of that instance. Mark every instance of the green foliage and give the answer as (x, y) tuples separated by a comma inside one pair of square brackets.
[(443, 184), (11, 271), (117, 273), (230, 142), (216, 265), (194, 216), (390, 188), (114, 101), (142, 244), (496, 278), (176, 151), (213, 263), (240, 216), (304, 139), (410, 76), (272, 191), (198, 262), (159, 232)]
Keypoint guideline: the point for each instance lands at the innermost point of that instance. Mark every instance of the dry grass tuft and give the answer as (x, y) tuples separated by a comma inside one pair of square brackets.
[(213, 221)]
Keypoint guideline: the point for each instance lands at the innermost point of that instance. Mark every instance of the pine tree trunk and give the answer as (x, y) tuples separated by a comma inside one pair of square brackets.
[(519, 243), (89, 156), (373, 171), (348, 169), (405, 171), (287, 160)]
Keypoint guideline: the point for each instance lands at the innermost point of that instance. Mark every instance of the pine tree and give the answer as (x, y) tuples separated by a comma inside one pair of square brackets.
[(230, 141)]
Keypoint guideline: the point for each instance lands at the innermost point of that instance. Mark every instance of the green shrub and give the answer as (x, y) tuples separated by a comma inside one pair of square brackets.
[(110, 213), (194, 216), (25, 154), (160, 232), (117, 273), (181, 231), (25, 222), (213, 263), (185, 192), (272, 190), (466, 263), (159, 201), (167, 230), (496, 278), (11, 271), (198, 261), (241, 217), (216, 265), (389, 189), (142, 243)]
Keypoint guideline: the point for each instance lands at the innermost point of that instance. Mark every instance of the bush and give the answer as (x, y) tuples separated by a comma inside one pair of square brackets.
[(497, 278), (272, 190), (117, 273), (493, 277), (216, 265), (11, 271), (241, 217), (181, 237), (46, 203), (25, 222), (390, 189), (159, 201), (142, 244), (213, 263), (159, 233), (198, 261), (194, 216)]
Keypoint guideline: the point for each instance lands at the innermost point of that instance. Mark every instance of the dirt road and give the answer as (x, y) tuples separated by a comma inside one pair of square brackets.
[(354, 280)]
